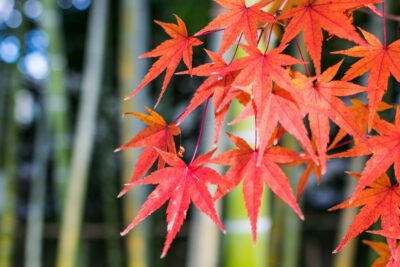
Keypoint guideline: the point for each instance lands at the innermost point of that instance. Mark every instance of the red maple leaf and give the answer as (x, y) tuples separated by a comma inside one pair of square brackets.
[(381, 61), (159, 134), (257, 72), (238, 19), (313, 16), (386, 151), (380, 200), (181, 184), (269, 110), (359, 111), (170, 52), (244, 168), (320, 99), (217, 85)]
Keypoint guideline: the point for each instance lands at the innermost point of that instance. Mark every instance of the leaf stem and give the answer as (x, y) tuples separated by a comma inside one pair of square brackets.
[(177, 117), (208, 32), (255, 130), (384, 24), (341, 144), (236, 49), (269, 38), (203, 119), (302, 57)]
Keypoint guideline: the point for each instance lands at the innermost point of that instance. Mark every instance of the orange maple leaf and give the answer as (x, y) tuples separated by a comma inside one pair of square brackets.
[(159, 134), (388, 257), (181, 184), (383, 251), (313, 16), (381, 61), (170, 52), (238, 19), (380, 200)]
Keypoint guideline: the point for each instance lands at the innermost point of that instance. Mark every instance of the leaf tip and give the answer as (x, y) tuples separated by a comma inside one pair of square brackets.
[(123, 233)]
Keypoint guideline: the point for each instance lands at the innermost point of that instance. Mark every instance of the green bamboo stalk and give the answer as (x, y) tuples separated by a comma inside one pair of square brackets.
[(4, 72), (292, 223), (110, 211), (8, 219), (57, 98), (35, 221), (106, 172), (238, 248), (132, 42), (278, 213), (204, 236), (84, 136)]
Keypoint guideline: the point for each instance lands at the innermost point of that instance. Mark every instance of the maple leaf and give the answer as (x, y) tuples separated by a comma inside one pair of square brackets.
[(159, 134), (359, 111), (319, 98), (181, 184), (380, 200), (217, 85), (238, 19), (387, 257), (269, 110), (386, 151), (244, 168), (311, 167), (313, 16), (170, 52), (257, 66), (257, 71), (383, 251), (381, 61)]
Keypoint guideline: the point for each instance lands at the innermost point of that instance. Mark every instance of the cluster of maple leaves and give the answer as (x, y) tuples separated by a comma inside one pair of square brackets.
[(280, 100)]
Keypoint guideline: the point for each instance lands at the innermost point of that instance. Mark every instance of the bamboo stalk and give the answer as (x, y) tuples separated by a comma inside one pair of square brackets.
[(292, 223), (8, 219), (107, 169), (133, 17), (4, 72), (84, 136), (204, 236), (57, 99), (238, 248), (35, 221)]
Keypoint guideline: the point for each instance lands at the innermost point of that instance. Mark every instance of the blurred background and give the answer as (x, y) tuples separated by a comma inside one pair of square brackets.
[(65, 66)]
